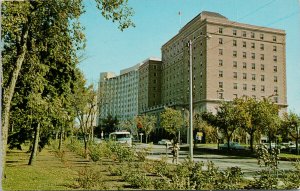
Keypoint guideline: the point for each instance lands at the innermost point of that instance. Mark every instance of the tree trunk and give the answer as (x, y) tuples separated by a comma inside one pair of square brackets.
[(35, 145), (85, 146), (8, 95), (228, 143), (251, 141), (60, 138), (146, 138)]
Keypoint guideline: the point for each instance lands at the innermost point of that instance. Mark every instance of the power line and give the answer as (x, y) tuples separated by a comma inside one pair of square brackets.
[(257, 9)]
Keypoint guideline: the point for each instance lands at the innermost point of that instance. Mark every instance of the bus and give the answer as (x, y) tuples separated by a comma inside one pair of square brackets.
[(122, 137)]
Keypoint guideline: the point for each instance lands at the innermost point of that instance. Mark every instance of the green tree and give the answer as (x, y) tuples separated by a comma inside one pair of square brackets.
[(171, 121), (49, 34), (130, 125), (290, 125), (148, 124), (225, 120), (110, 124), (84, 103)]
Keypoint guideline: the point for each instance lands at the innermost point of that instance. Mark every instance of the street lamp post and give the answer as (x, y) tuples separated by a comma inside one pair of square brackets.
[(190, 134)]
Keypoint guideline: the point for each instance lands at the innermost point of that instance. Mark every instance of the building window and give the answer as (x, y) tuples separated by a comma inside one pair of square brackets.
[(262, 88), (154, 74), (261, 36), (235, 86), (244, 65), (220, 74), (234, 53), (253, 55), (275, 79), (275, 68), (262, 78), (275, 89), (244, 34), (233, 42), (235, 95), (244, 86), (262, 56), (235, 75), (220, 51), (252, 45), (262, 46), (276, 99), (253, 66), (253, 77), (234, 32), (274, 38), (262, 67), (220, 41), (244, 76), (253, 87), (252, 35), (220, 84), (274, 48), (275, 58), (220, 95), (221, 30), (244, 55), (220, 62), (244, 44), (234, 64)]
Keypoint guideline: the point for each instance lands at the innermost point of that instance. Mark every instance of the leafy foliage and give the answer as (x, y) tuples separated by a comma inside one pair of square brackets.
[(171, 121), (147, 123)]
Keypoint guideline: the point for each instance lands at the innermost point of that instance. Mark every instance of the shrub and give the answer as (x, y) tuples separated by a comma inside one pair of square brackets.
[(138, 179), (121, 152), (89, 178)]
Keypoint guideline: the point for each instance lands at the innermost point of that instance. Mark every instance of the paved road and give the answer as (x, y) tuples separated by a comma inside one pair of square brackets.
[(247, 164)]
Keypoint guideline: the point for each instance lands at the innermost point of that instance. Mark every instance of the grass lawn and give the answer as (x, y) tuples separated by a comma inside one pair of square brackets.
[(286, 155), (52, 173)]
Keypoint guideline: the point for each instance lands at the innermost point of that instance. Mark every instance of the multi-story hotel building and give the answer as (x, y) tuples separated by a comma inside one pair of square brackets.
[(230, 60), (129, 93), (118, 94), (149, 84)]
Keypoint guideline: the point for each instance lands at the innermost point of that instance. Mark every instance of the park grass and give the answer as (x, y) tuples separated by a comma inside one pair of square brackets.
[(289, 156), (47, 173), (52, 172)]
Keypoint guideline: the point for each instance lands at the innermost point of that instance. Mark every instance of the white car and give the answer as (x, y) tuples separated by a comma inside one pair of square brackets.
[(164, 141), (232, 145)]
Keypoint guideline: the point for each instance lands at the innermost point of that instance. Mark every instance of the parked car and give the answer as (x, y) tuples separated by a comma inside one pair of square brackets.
[(232, 145), (164, 141)]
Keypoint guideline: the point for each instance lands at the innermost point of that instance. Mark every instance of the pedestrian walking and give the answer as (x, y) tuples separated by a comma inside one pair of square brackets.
[(175, 151)]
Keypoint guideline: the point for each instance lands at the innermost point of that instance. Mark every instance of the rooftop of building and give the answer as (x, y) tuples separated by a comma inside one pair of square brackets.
[(222, 20)]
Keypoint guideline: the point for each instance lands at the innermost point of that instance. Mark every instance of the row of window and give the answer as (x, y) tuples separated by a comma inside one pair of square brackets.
[(262, 56), (253, 76), (244, 34), (244, 65), (253, 87), (244, 44)]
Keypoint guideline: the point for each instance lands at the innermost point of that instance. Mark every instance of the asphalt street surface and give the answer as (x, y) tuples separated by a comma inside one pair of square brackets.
[(248, 165)]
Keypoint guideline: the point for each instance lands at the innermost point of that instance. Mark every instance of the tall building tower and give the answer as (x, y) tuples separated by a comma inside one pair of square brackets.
[(118, 95), (230, 60), (149, 85)]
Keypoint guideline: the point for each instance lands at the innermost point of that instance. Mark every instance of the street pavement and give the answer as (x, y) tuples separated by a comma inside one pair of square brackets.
[(248, 165)]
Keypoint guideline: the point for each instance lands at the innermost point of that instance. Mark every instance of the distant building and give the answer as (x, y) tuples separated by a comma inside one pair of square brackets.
[(121, 95), (118, 95)]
